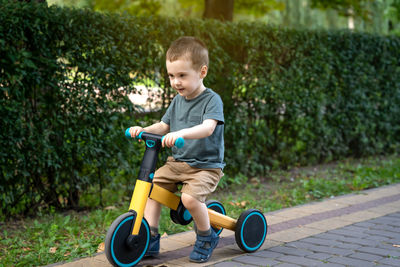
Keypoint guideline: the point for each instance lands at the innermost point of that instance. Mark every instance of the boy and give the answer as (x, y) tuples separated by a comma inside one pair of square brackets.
[(195, 114)]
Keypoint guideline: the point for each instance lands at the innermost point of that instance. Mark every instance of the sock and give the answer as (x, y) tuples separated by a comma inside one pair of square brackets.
[(153, 231), (204, 233)]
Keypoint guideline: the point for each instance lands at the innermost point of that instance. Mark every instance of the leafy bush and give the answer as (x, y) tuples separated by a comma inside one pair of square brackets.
[(290, 97)]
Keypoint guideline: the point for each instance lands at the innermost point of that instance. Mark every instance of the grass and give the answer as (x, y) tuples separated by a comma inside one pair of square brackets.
[(55, 237)]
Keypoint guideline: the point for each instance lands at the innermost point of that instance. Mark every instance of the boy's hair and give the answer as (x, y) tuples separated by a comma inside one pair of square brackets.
[(190, 48)]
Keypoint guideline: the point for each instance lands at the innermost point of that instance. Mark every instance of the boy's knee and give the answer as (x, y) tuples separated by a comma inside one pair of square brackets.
[(189, 202)]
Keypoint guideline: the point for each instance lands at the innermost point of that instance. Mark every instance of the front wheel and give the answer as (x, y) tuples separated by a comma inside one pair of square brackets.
[(123, 249)]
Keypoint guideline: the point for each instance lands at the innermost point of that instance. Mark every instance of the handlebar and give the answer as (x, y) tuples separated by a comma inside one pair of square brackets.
[(150, 138)]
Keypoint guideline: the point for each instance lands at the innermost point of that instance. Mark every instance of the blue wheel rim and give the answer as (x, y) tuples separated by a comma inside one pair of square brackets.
[(144, 251), (264, 235), (216, 204)]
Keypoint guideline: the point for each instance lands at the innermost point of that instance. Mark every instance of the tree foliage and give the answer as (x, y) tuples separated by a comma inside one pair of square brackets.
[(345, 7), (185, 8), (134, 7)]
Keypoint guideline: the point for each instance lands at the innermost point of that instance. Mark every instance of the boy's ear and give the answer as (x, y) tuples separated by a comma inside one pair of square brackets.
[(203, 71)]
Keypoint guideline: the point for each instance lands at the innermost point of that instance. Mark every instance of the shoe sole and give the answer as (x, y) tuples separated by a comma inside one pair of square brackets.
[(151, 254), (200, 261)]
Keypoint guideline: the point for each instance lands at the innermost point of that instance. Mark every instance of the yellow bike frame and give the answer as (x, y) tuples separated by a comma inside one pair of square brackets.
[(144, 188)]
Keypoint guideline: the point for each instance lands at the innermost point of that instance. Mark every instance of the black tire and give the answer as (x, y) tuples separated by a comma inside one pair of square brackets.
[(218, 207), (181, 215), (117, 250), (251, 230)]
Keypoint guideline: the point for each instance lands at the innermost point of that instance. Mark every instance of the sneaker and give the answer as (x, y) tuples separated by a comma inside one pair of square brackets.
[(203, 248), (154, 246)]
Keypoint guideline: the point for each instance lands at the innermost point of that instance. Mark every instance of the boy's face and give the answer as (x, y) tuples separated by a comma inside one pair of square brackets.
[(187, 81)]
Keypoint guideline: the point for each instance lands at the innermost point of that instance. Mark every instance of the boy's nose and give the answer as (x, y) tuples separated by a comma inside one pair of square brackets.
[(177, 82)]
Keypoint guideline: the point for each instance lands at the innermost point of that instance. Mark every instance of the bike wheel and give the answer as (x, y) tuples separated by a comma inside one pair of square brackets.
[(181, 215), (218, 207), (251, 230), (120, 248)]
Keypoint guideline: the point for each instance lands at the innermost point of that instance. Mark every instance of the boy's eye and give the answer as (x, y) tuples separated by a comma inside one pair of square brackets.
[(182, 75)]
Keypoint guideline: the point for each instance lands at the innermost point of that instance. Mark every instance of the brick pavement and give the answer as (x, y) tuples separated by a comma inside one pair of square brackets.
[(374, 242), (353, 230)]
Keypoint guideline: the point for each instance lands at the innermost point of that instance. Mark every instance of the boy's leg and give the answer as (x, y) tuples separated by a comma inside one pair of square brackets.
[(152, 214), (165, 177), (198, 210), (206, 239)]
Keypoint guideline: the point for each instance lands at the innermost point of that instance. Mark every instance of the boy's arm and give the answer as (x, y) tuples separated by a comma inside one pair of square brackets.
[(160, 128), (196, 132)]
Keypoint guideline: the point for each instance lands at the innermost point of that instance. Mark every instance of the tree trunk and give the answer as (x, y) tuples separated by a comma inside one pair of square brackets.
[(219, 9), (379, 22), (286, 15), (332, 18), (297, 21), (308, 15), (350, 20)]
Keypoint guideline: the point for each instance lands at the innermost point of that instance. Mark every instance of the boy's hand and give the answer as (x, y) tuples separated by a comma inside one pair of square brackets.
[(170, 139), (135, 131)]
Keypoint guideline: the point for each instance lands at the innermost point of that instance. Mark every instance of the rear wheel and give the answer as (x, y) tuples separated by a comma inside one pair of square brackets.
[(251, 230), (181, 215), (218, 207)]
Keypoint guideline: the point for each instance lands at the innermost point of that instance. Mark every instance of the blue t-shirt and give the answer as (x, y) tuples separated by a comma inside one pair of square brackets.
[(182, 113)]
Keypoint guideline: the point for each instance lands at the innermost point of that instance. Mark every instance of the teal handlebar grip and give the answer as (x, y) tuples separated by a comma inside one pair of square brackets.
[(127, 134), (180, 142)]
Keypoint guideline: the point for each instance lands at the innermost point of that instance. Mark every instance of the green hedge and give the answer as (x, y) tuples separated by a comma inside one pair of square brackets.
[(290, 97)]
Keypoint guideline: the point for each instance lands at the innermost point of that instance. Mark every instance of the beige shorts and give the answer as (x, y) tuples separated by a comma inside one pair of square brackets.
[(198, 183)]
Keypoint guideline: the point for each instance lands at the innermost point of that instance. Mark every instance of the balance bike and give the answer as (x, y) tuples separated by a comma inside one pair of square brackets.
[(128, 237)]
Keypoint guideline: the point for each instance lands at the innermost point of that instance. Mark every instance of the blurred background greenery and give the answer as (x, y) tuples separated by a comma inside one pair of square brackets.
[(375, 16), (306, 96)]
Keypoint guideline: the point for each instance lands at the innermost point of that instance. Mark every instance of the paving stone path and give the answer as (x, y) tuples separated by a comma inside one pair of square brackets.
[(371, 243)]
